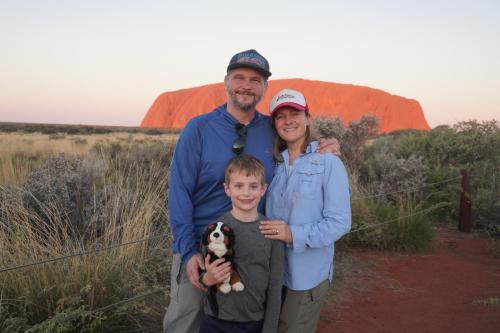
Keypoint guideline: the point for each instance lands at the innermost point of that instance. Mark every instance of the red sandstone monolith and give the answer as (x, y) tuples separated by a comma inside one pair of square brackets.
[(348, 102)]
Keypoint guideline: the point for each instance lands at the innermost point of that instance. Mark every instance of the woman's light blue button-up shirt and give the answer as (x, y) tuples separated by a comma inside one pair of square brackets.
[(314, 199)]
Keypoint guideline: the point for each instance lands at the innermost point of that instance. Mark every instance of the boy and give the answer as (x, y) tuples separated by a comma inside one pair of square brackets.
[(259, 260)]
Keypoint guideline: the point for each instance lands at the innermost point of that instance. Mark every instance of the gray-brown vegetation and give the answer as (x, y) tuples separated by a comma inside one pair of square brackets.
[(102, 197)]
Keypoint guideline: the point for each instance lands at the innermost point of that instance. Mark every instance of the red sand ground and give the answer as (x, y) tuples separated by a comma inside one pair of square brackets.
[(432, 292)]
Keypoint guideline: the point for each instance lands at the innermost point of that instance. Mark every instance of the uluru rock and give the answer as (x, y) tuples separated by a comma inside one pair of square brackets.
[(348, 102)]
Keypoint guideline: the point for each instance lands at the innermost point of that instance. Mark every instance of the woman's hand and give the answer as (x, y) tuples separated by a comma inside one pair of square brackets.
[(217, 272), (276, 229), (330, 145)]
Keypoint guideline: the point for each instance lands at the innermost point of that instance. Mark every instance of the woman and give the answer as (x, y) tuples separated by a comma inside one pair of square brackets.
[(308, 203)]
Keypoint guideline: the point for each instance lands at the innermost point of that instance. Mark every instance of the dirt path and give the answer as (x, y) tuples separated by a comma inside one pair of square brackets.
[(434, 292)]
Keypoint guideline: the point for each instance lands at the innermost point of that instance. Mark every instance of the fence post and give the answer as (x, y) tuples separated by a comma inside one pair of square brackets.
[(465, 214)]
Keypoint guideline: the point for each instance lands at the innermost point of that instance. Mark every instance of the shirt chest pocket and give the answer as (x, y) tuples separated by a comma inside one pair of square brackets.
[(310, 181)]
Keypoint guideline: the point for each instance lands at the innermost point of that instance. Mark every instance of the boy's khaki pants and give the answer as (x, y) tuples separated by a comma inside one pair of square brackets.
[(301, 309), (186, 302)]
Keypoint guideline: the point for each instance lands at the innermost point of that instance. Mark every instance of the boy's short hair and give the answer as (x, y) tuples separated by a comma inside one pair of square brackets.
[(247, 165)]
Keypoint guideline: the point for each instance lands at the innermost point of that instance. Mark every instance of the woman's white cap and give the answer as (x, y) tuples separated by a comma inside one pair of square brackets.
[(288, 97)]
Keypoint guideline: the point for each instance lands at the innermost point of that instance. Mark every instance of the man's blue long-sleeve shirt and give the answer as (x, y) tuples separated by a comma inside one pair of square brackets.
[(196, 194)]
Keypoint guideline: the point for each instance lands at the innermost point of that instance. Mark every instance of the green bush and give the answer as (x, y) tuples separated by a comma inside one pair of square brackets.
[(402, 226), (470, 146)]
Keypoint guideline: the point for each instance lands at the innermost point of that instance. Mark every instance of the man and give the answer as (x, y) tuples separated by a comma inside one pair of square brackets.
[(196, 191)]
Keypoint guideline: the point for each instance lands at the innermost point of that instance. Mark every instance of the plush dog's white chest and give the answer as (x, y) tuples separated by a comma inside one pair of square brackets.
[(219, 249)]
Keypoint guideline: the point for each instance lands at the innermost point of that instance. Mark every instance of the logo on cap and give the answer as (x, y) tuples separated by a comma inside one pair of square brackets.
[(251, 59), (283, 96), (288, 97)]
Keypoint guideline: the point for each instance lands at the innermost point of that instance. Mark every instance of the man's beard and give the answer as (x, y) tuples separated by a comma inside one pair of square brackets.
[(248, 106)]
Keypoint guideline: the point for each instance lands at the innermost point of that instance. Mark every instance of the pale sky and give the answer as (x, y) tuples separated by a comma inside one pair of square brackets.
[(105, 62)]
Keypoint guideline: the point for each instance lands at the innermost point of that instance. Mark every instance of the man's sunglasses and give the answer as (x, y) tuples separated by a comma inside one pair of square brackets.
[(239, 143)]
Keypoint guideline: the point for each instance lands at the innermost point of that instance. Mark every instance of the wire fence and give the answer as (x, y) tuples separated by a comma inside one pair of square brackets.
[(84, 253), (399, 218), (157, 290), (79, 254), (412, 189), (129, 300)]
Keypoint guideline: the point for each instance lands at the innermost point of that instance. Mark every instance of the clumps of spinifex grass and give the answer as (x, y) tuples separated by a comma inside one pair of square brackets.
[(402, 225), (15, 167), (75, 204)]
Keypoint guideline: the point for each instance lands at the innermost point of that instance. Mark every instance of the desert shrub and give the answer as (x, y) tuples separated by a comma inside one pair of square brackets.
[(98, 188), (328, 127), (433, 160), (65, 184), (57, 136), (353, 138), (470, 146), (79, 129), (390, 177), (155, 131), (79, 141), (10, 199), (384, 187), (8, 128), (357, 138), (45, 129), (125, 196)]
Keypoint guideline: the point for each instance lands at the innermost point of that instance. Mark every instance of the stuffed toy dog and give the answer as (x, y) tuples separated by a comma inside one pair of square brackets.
[(218, 240)]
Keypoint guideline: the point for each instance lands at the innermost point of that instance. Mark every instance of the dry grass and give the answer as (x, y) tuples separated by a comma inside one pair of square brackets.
[(66, 295), (31, 143), (82, 284), (21, 152)]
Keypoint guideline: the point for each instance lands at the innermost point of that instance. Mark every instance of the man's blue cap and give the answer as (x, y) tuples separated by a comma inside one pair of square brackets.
[(250, 59)]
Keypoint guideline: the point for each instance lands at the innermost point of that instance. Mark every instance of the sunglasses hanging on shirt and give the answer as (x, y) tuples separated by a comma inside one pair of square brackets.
[(239, 143)]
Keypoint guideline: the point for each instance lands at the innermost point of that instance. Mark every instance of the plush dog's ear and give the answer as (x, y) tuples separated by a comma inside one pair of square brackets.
[(206, 234), (230, 234)]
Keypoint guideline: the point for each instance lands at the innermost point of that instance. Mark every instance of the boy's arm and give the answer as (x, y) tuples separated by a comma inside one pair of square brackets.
[(273, 302)]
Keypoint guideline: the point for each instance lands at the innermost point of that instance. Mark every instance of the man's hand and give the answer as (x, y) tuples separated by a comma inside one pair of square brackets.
[(217, 272), (193, 266), (330, 145)]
